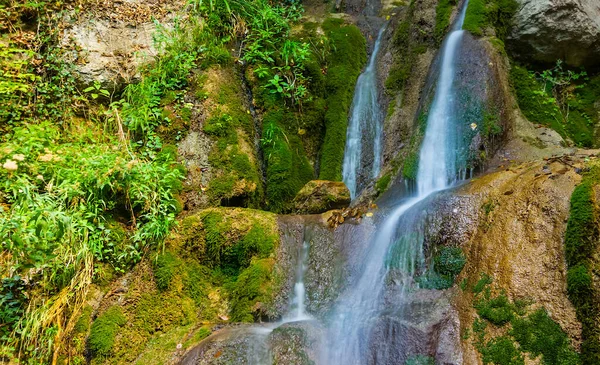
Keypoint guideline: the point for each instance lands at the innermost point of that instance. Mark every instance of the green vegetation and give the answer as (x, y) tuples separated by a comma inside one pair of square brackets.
[(580, 246), (526, 331), (230, 125), (501, 351), (344, 63), (482, 14), (288, 168), (448, 262), (561, 99), (443, 11), (382, 184), (104, 330)]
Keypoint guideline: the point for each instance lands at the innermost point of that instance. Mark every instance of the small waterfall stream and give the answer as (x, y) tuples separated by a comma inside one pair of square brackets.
[(396, 253), (362, 157)]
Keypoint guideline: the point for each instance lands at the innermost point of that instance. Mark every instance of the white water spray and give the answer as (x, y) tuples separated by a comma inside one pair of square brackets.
[(365, 128)]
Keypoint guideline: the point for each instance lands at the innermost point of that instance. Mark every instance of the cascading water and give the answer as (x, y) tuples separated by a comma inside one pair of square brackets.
[(396, 252), (362, 157), (297, 312), (259, 353)]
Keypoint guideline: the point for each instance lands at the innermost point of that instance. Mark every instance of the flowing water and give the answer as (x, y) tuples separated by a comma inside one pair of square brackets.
[(259, 353), (362, 157), (396, 253)]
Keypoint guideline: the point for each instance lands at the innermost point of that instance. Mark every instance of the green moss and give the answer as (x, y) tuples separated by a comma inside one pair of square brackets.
[(411, 166), (253, 286), (383, 183), (581, 239), (346, 59), (497, 310), (501, 351), (236, 178), (538, 334), (156, 312), (443, 11), (489, 13), (104, 331), (287, 167), (482, 283), (164, 269), (83, 323), (450, 261)]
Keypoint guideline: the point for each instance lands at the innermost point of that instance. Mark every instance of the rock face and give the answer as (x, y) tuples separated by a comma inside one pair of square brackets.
[(547, 30), (319, 196), (111, 39)]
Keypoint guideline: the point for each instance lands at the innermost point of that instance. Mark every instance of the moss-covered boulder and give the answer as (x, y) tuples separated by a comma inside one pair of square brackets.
[(319, 196)]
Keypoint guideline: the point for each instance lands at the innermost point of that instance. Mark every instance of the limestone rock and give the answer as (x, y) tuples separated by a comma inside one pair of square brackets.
[(110, 54), (547, 30), (319, 196)]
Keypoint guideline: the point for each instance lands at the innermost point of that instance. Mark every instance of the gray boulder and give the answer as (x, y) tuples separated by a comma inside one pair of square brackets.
[(546, 30)]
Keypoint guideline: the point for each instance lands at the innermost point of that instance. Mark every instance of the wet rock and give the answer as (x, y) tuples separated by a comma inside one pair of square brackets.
[(319, 196), (242, 344), (547, 30), (423, 324), (296, 343)]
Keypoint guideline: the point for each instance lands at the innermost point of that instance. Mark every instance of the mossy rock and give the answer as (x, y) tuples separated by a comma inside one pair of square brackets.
[(104, 330), (319, 196)]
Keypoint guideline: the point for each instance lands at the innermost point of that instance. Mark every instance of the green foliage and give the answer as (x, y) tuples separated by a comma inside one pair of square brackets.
[(501, 351), (345, 61), (104, 331), (443, 11), (12, 304), (490, 13), (561, 99), (538, 334)]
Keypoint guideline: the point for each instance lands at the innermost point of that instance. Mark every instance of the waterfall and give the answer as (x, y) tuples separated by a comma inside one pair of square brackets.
[(297, 311), (362, 156), (356, 334)]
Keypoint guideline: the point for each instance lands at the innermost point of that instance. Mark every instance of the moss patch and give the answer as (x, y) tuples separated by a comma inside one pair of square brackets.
[(489, 13), (524, 331), (104, 330), (236, 181), (581, 241), (345, 62), (443, 11)]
